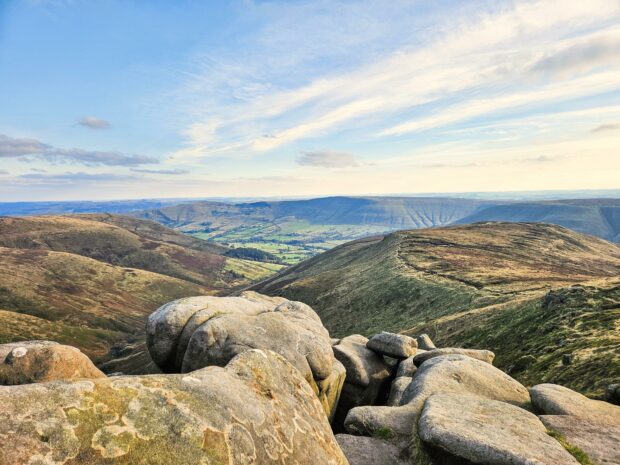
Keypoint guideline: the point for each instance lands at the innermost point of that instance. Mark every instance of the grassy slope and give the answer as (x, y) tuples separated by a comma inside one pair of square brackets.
[(128, 242), (84, 301), (91, 280), (423, 278), (531, 335)]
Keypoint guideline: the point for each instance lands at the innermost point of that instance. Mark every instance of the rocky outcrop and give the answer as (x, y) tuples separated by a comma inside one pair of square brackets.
[(483, 355), (591, 425), (460, 374), (488, 432), (41, 361), (367, 376), (257, 410), (393, 345), (192, 333)]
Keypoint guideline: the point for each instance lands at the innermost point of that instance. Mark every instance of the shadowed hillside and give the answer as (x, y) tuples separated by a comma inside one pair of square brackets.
[(423, 278)]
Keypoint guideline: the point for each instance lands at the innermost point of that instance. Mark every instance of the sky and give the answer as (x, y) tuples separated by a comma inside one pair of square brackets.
[(105, 99)]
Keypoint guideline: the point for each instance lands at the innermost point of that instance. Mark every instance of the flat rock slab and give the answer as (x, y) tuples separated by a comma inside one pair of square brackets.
[(459, 374), (361, 450), (483, 355), (41, 361), (489, 432), (552, 399), (395, 423), (393, 345), (257, 410), (600, 442)]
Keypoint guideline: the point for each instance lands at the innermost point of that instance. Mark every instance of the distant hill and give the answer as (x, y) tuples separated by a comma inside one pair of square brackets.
[(599, 217), (386, 212), (428, 279), (91, 280), (82, 206)]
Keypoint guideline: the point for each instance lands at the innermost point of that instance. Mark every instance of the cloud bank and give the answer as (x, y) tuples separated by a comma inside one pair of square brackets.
[(327, 159), (34, 150)]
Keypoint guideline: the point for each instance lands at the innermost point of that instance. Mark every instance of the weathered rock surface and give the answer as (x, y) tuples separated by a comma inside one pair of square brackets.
[(406, 367), (459, 374), (361, 450), (601, 442), (393, 345), (399, 385), (192, 333), (592, 425), (393, 423), (171, 326), (367, 376), (484, 355), (256, 410), (41, 361), (425, 342), (551, 399), (488, 432)]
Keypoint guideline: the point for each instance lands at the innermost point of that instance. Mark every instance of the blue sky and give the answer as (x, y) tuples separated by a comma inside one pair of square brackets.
[(132, 99)]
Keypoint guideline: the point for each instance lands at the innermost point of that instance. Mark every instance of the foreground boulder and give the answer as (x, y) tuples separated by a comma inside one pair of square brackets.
[(483, 355), (488, 432), (460, 374), (41, 361), (591, 425), (367, 376), (192, 333), (256, 410), (393, 345)]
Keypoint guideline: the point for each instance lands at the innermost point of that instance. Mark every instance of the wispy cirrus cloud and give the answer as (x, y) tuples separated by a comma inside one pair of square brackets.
[(478, 63), (175, 171), (606, 127), (92, 122), (327, 159), (74, 177), (31, 149)]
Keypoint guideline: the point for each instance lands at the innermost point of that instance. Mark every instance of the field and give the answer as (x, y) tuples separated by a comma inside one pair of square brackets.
[(291, 240)]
